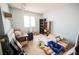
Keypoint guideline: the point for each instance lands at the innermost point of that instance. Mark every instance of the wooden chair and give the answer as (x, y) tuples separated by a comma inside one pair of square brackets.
[(21, 37)]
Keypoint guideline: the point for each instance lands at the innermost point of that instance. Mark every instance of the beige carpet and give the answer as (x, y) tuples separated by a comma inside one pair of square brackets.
[(33, 49)]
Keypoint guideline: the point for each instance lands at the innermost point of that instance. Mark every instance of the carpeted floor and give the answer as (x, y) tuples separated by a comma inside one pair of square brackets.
[(33, 49)]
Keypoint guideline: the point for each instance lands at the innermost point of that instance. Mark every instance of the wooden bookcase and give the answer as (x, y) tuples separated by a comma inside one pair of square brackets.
[(45, 27), (42, 25)]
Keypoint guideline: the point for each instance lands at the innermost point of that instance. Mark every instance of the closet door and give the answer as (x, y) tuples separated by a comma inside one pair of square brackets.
[(49, 27)]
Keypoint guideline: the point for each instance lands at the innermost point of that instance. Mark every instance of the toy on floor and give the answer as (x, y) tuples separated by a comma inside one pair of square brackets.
[(46, 49)]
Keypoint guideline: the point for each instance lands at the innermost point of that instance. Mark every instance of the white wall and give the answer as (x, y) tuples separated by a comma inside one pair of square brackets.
[(65, 20), (6, 21), (18, 19)]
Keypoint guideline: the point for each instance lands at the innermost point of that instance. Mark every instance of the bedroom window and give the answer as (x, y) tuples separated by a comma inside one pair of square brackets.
[(26, 21), (29, 21), (32, 21)]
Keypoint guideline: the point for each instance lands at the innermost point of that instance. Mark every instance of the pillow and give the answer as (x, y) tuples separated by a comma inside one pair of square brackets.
[(18, 33)]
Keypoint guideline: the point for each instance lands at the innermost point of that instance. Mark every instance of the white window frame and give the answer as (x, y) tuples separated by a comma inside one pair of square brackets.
[(30, 21)]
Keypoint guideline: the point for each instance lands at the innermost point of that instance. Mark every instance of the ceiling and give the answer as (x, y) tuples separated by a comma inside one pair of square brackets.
[(37, 7)]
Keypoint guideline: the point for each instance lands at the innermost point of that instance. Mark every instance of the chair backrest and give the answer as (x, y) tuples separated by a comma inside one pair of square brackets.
[(11, 35), (13, 41), (30, 36), (15, 45)]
